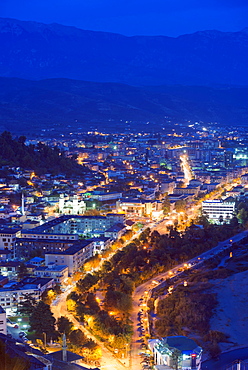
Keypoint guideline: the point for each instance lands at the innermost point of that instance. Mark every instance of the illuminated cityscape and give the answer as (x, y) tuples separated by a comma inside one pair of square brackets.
[(123, 185)]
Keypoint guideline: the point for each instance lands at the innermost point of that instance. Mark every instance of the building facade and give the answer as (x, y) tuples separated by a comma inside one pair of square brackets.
[(218, 211)]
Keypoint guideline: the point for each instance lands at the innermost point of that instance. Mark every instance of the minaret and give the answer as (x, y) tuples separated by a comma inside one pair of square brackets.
[(61, 203), (64, 348), (75, 205), (23, 205)]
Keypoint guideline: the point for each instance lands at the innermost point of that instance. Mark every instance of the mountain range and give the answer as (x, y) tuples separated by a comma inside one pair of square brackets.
[(34, 50), (30, 106), (54, 76)]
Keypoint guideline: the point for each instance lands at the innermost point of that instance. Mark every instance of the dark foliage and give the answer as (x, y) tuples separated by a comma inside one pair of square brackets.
[(40, 158), (185, 309)]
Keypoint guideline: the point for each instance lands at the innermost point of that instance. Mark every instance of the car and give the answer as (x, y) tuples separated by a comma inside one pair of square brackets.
[(11, 323), (155, 282)]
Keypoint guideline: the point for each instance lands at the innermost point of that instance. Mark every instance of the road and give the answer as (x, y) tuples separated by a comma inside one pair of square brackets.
[(108, 360), (143, 291), (146, 289)]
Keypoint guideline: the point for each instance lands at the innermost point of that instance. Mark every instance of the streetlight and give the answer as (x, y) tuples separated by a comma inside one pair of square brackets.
[(44, 334), (126, 349)]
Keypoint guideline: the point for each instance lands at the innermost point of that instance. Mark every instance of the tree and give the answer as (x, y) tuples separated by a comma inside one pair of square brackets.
[(91, 351), (155, 238), (234, 222), (22, 271), (180, 205), (22, 139), (26, 307), (221, 219), (83, 285), (77, 338), (166, 205), (242, 215), (64, 325), (71, 305), (120, 342), (176, 355), (106, 267), (118, 301), (48, 296), (144, 235), (42, 320), (203, 220)]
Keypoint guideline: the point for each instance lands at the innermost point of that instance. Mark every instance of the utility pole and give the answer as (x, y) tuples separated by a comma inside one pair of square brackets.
[(44, 333)]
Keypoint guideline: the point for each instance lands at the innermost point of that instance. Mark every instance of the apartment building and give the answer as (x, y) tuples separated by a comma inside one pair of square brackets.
[(218, 211)]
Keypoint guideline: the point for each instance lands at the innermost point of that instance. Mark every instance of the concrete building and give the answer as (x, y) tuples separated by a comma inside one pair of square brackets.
[(59, 273), (69, 227), (13, 293), (180, 349), (167, 186), (71, 205), (138, 207), (104, 197), (100, 244), (73, 257), (26, 246), (115, 231), (9, 269), (3, 321), (5, 255), (8, 239), (218, 211)]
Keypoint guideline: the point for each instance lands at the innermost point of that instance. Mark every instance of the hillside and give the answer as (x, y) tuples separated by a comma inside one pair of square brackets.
[(31, 106), (40, 158), (34, 50)]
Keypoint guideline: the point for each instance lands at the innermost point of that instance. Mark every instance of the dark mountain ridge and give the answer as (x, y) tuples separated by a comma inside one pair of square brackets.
[(29, 106), (36, 51)]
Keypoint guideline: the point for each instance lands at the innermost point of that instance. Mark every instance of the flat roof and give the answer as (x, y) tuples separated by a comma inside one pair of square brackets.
[(73, 249), (6, 230)]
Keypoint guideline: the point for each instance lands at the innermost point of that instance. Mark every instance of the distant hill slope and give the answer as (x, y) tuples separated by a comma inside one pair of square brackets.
[(40, 158), (27, 106), (36, 51)]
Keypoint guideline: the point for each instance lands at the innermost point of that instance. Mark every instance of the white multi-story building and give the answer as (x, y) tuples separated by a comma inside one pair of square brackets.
[(71, 205), (73, 257), (8, 239), (218, 211), (58, 273), (13, 293), (138, 207)]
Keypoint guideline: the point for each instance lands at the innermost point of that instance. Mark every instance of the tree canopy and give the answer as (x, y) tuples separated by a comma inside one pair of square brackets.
[(40, 158), (42, 320)]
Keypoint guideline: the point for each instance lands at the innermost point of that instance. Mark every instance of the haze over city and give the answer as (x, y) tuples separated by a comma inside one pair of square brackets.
[(123, 185)]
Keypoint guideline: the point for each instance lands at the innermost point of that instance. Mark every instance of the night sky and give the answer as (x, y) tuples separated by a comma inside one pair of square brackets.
[(134, 17)]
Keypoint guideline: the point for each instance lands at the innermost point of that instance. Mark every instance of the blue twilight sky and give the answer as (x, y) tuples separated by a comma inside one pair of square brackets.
[(134, 17)]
